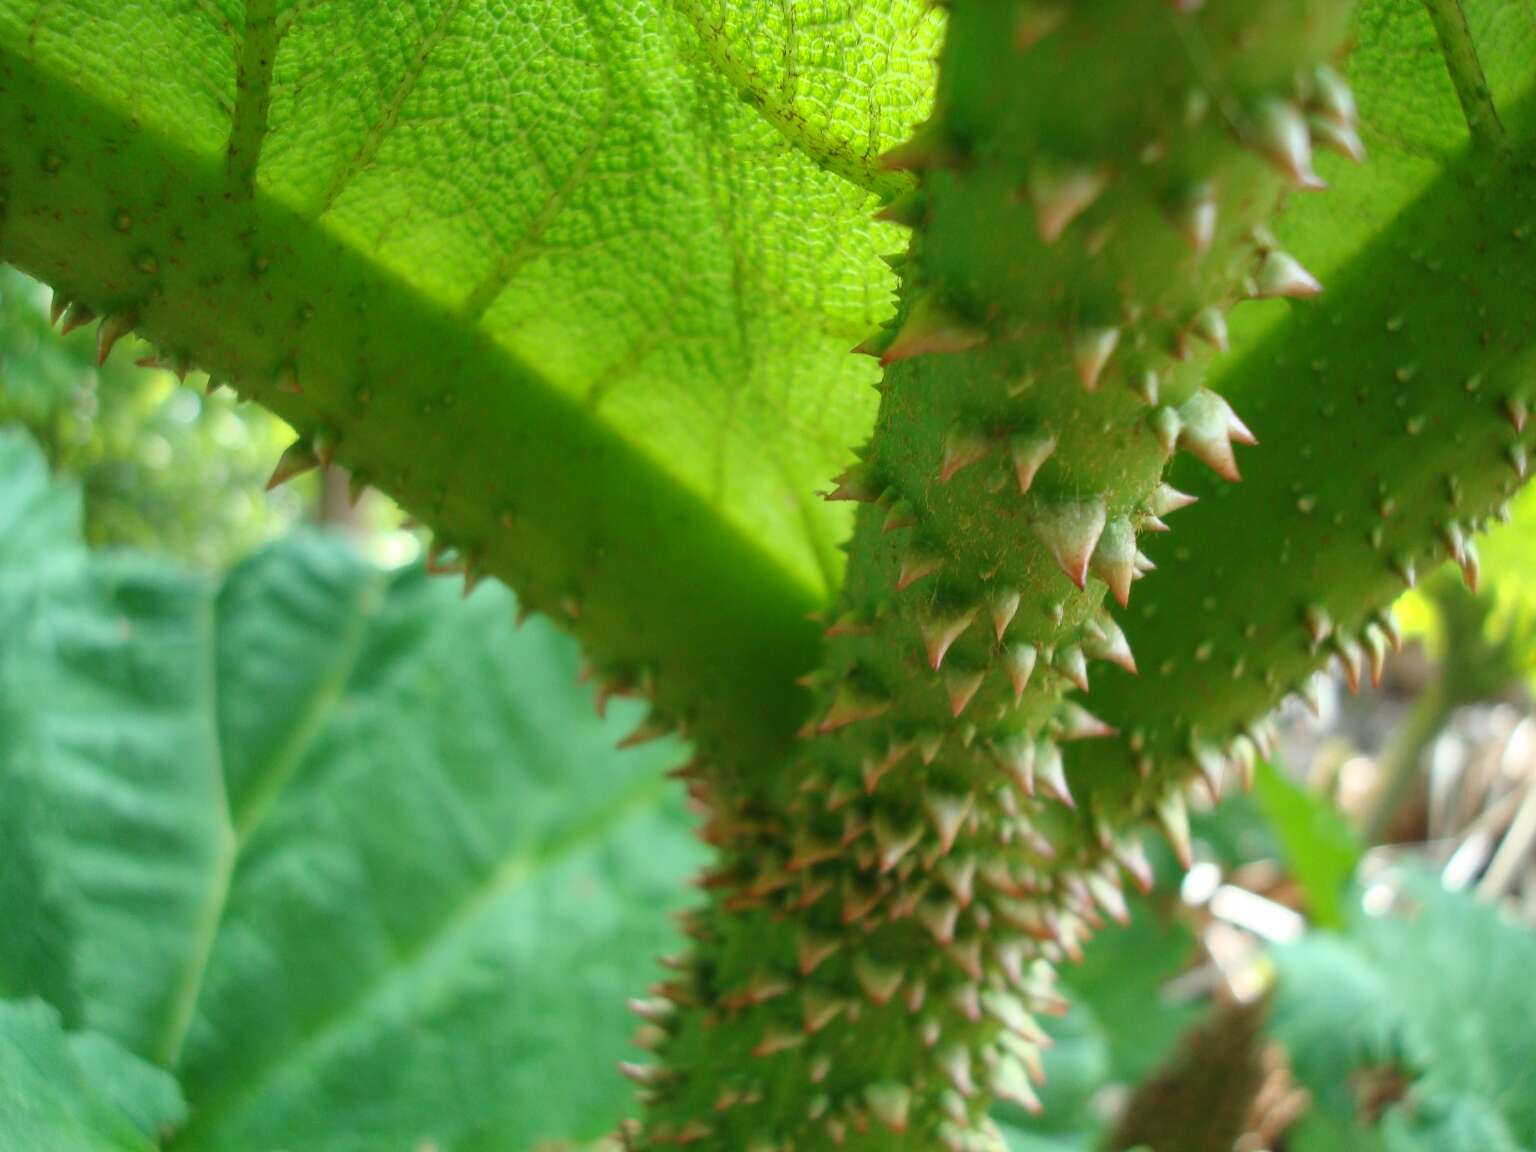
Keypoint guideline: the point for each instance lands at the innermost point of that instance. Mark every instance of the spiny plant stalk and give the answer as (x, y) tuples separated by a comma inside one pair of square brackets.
[(885, 911), (1372, 474)]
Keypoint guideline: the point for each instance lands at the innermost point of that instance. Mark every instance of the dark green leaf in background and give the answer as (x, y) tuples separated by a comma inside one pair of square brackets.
[(80, 1093), (1320, 847), (348, 854)]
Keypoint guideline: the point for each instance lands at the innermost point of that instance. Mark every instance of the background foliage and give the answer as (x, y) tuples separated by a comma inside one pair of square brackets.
[(307, 835), (162, 466)]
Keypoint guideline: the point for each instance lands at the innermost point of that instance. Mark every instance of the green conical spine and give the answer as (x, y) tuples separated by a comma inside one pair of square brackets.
[(885, 913)]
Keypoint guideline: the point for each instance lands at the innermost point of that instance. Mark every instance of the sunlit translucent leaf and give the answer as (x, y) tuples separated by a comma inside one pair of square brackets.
[(650, 204), (1411, 124)]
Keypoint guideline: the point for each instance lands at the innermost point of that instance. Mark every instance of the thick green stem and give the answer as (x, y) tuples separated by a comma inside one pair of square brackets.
[(887, 910), (671, 591), (1375, 467), (1361, 476)]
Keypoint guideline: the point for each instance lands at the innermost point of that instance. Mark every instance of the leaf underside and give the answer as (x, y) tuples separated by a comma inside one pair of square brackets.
[(596, 251)]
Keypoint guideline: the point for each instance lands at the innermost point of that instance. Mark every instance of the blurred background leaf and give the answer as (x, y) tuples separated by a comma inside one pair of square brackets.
[(80, 1093), (1418, 1017), (1319, 846), (161, 466), (349, 855)]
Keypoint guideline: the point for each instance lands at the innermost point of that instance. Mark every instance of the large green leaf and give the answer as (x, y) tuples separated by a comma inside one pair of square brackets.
[(609, 257), (179, 110), (35, 956), (39, 545), (113, 671), (670, 203), (464, 903), (349, 855), (611, 250)]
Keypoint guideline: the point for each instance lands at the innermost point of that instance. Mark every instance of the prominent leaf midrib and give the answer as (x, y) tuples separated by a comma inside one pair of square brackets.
[(831, 153), (513, 872), (253, 97), (661, 579), (1459, 51), (274, 774), (189, 987), (237, 823)]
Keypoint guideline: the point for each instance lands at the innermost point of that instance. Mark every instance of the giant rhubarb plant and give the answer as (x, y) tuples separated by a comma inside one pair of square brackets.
[(576, 283)]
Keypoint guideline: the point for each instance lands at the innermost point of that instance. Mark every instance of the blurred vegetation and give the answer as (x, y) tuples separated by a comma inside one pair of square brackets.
[(162, 466), (1482, 645), (1411, 1029)]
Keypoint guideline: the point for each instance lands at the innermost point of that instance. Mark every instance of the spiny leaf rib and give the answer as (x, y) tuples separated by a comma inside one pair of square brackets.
[(885, 913), (1374, 469), (516, 479)]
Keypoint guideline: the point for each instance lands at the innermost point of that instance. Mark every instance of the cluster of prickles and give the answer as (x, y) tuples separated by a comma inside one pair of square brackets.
[(1089, 200)]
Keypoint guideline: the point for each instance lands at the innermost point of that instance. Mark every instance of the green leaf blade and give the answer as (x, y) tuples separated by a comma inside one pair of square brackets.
[(130, 784), (291, 626), (584, 185), (76, 1093), (426, 929), (1321, 849), (522, 478), (397, 948)]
